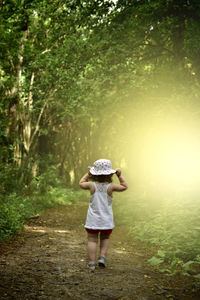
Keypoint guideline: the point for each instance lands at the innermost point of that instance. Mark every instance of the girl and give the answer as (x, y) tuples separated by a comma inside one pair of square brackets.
[(100, 215)]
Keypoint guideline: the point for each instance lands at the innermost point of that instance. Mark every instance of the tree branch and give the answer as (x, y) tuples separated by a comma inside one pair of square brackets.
[(38, 122), (158, 46), (30, 96), (39, 118)]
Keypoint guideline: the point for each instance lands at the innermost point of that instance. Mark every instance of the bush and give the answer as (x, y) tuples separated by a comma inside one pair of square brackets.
[(15, 209), (56, 196), (10, 220), (20, 199), (175, 229), (10, 179)]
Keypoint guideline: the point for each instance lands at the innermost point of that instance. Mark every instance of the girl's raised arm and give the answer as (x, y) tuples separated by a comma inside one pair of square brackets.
[(84, 184), (122, 186)]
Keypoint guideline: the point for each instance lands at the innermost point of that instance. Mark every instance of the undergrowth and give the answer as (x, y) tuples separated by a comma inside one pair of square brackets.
[(15, 209), (45, 191), (171, 228)]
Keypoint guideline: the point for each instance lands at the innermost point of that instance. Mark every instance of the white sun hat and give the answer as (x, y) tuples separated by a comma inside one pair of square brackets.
[(102, 167)]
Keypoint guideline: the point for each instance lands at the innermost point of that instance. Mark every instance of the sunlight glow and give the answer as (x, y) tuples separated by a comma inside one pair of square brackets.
[(45, 229), (172, 158), (179, 160), (164, 151)]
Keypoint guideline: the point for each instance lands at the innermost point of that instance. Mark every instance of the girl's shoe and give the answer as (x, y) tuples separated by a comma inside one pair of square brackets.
[(102, 261), (92, 267)]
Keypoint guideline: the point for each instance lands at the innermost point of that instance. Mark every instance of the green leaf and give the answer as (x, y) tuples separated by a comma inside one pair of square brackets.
[(165, 270), (155, 261), (186, 266), (161, 253)]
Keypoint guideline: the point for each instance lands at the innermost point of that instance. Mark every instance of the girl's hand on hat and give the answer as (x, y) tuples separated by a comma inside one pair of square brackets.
[(118, 172), (89, 167)]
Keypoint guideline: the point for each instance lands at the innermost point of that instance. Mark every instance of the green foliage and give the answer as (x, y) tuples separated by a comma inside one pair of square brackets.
[(56, 196), (44, 182), (66, 65), (10, 178), (15, 210), (174, 228), (154, 261), (10, 220)]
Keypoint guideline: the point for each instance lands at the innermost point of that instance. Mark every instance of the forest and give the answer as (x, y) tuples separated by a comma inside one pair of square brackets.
[(83, 80)]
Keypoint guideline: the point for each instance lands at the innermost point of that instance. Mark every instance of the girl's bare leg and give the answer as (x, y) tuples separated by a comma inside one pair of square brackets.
[(104, 244), (92, 247)]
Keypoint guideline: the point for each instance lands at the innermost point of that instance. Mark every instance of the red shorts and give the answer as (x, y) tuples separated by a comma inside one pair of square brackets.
[(96, 231)]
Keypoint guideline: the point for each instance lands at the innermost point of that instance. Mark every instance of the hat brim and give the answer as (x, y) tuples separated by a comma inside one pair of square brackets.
[(95, 172)]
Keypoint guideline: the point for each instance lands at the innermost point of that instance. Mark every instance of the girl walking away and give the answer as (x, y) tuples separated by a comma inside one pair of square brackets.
[(99, 219)]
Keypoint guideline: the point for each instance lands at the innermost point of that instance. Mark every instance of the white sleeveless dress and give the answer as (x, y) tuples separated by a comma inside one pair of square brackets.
[(100, 214)]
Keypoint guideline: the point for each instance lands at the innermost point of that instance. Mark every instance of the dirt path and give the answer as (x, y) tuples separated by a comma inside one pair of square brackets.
[(48, 261)]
